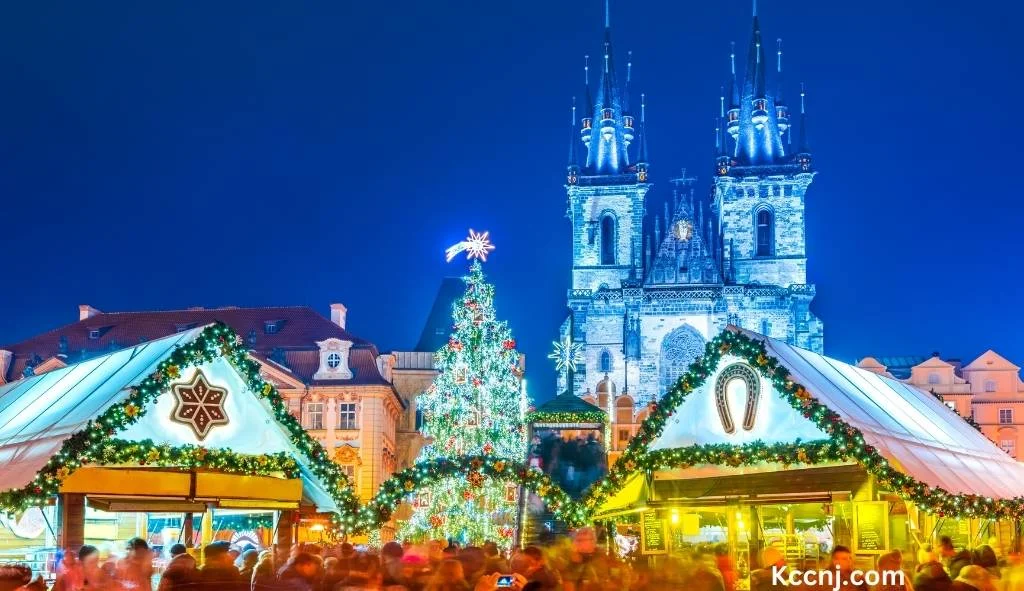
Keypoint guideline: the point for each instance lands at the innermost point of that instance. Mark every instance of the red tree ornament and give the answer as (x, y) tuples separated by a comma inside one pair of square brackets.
[(509, 344)]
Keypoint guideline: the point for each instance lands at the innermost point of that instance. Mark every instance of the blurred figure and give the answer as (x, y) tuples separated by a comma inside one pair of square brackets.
[(726, 567), (890, 567), (135, 570), (473, 563), (263, 578), (219, 572), (180, 573), (842, 560), (14, 576), (302, 573), (946, 551), (763, 579), (248, 559), (973, 578), (533, 566), (985, 557), (930, 574), (449, 577), (494, 562), (391, 563), (69, 573)]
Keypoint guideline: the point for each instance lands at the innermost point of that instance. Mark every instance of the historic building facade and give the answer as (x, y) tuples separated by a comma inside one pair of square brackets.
[(988, 390), (654, 278), (338, 385)]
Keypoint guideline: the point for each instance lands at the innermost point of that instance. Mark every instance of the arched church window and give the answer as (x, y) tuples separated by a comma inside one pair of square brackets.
[(766, 327), (765, 233), (679, 349), (605, 362), (608, 240)]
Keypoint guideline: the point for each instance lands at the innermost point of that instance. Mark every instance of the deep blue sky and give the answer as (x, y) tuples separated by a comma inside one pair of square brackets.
[(171, 154)]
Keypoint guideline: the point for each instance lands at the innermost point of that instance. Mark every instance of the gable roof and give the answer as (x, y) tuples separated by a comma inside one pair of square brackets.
[(298, 328), (991, 361), (40, 414), (569, 403)]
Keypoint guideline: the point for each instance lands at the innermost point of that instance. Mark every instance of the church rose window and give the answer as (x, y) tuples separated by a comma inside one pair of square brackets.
[(678, 350)]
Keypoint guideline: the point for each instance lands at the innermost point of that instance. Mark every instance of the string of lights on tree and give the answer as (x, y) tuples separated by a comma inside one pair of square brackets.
[(475, 408), (96, 444), (845, 441)]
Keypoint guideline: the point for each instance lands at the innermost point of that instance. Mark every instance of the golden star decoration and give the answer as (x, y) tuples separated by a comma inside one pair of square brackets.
[(499, 466), (131, 410)]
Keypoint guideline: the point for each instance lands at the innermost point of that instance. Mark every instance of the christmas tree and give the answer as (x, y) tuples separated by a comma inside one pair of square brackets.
[(475, 406)]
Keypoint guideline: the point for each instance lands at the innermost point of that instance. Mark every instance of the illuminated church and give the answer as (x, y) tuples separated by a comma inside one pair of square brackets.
[(656, 274)]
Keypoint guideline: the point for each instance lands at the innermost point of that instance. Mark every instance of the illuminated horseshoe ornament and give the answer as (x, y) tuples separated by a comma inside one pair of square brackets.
[(737, 371)]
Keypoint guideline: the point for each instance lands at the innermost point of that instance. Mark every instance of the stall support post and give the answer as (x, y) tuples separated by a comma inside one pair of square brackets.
[(286, 523), (72, 521), (188, 534), (206, 531)]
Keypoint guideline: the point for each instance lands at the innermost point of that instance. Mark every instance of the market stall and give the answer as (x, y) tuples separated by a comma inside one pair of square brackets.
[(182, 429), (762, 443)]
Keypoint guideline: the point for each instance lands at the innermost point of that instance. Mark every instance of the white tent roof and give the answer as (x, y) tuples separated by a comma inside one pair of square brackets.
[(38, 413), (913, 430)]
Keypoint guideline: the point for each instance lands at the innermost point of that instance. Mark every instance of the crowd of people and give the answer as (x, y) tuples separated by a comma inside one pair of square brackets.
[(568, 564), (573, 463)]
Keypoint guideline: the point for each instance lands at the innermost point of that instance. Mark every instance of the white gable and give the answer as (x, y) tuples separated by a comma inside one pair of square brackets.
[(250, 428), (699, 419)]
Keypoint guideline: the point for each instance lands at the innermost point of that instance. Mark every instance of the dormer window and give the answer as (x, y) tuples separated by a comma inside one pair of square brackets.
[(334, 360), (272, 326), (184, 327), (94, 334)]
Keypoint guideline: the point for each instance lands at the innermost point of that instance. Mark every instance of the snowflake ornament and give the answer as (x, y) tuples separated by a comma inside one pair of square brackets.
[(565, 354), (476, 246), (199, 405)]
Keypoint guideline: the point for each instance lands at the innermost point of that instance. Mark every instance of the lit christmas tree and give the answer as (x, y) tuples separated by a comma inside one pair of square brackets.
[(475, 407)]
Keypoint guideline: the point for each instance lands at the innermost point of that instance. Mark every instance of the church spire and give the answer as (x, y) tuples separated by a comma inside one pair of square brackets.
[(803, 155), (757, 125), (573, 167), (641, 160)]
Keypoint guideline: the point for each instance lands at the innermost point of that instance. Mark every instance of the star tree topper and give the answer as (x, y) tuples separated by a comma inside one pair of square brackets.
[(565, 354), (476, 246), (199, 405)]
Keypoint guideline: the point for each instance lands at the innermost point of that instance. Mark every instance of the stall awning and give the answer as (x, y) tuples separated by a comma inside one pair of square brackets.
[(39, 413), (908, 426)]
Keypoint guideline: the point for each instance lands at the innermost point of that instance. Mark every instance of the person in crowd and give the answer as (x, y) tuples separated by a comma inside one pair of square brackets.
[(14, 576), (494, 562), (474, 562), (958, 561), (263, 578), (930, 575), (180, 573), (449, 577), (842, 564), (248, 561), (69, 573), (726, 567), (973, 577), (302, 573), (219, 572), (762, 579), (135, 570), (892, 576), (946, 550), (985, 557), (532, 565)]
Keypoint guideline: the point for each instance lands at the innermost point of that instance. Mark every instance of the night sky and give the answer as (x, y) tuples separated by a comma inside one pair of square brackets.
[(162, 155)]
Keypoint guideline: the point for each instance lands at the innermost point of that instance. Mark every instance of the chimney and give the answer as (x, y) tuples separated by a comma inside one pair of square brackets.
[(5, 364), (86, 311), (338, 314)]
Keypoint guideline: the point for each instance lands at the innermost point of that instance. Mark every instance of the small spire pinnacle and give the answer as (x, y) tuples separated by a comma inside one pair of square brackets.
[(803, 92), (586, 70), (721, 102), (629, 66), (608, 15), (779, 52), (607, 56), (573, 164), (642, 158), (732, 57), (755, 7), (643, 107)]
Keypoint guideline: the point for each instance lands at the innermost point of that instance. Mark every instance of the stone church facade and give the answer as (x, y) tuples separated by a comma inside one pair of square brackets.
[(655, 275)]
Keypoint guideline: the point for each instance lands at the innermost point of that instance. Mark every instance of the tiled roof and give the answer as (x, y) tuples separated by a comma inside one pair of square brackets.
[(298, 328)]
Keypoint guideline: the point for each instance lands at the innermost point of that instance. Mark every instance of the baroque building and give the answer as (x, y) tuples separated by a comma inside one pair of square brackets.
[(654, 279), (338, 385)]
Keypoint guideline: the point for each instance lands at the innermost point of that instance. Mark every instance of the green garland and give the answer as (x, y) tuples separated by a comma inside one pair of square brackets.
[(589, 416), (845, 441), (397, 488), (96, 443)]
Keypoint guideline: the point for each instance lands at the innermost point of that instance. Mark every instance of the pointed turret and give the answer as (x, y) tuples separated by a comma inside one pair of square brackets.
[(642, 161), (781, 111), (573, 166), (733, 115), (587, 123), (803, 154)]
